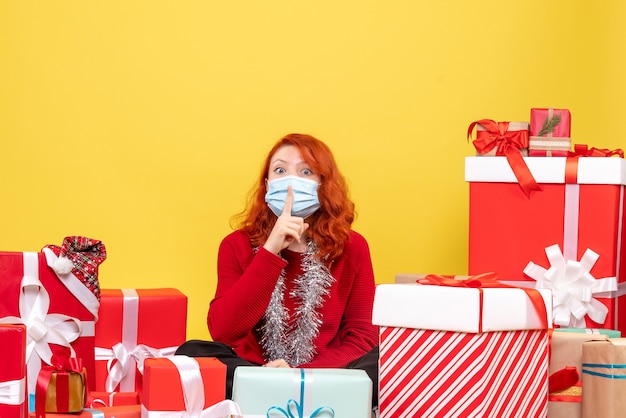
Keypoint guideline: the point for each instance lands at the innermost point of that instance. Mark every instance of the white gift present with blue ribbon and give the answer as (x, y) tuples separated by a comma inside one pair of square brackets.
[(302, 392)]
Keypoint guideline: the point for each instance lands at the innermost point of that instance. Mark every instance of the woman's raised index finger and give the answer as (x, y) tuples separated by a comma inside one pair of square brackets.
[(288, 202)]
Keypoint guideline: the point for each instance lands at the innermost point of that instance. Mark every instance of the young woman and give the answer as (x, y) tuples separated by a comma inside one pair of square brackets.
[(295, 283)]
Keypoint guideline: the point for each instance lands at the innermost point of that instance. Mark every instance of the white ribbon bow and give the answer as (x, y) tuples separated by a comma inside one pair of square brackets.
[(42, 328), (12, 392), (193, 394), (573, 287), (122, 361)]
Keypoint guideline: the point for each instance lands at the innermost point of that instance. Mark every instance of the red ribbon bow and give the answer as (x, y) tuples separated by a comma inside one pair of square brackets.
[(488, 280), (62, 364), (507, 143), (583, 150)]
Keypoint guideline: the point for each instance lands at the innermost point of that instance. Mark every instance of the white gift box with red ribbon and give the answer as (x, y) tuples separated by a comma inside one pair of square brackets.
[(452, 351)]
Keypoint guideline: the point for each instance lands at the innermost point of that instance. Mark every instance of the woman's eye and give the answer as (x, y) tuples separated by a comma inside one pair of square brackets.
[(279, 170), (307, 171)]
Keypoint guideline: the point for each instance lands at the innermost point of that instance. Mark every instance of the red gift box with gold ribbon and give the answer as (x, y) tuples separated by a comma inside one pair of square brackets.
[(567, 238), (13, 399), (446, 349), (136, 324), (57, 302)]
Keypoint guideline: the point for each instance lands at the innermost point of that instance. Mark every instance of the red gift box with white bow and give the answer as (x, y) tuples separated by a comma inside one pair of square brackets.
[(136, 324), (57, 307), (568, 237)]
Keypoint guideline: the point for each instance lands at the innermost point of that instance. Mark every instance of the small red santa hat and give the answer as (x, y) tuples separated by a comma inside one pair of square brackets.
[(80, 256)]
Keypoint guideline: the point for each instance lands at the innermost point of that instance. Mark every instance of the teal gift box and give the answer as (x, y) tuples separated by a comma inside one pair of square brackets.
[(302, 392)]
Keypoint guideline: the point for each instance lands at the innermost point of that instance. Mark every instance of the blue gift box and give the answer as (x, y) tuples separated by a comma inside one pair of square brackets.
[(302, 392)]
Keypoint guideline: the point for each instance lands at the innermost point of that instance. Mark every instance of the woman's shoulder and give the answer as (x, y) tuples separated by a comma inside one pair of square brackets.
[(357, 241), (236, 238)]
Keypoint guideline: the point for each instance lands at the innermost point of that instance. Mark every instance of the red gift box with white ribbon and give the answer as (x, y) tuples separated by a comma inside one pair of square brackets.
[(461, 351), (181, 386), (136, 324), (57, 308), (567, 238), (13, 399)]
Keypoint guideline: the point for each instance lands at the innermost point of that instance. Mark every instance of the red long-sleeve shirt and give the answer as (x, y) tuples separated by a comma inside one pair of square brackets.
[(247, 279)]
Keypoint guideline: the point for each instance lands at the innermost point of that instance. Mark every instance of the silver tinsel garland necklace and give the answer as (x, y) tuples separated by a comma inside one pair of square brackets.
[(295, 344)]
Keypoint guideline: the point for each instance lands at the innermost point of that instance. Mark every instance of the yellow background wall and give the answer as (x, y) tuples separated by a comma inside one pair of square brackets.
[(144, 123)]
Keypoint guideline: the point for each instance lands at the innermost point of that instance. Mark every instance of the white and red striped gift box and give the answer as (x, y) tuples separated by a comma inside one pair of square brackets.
[(488, 357)]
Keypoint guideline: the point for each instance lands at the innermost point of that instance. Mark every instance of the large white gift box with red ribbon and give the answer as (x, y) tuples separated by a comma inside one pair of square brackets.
[(461, 351), (302, 392), (136, 324), (58, 310), (568, 237)]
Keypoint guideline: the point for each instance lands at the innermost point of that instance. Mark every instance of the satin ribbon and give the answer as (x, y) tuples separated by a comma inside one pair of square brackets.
[(507, 143), (488, 280), (193, 395), (126, 356), (12, 392), (61, 366), (583, 150), (43, 328), (295, 409), (573, 287), (618, 368)]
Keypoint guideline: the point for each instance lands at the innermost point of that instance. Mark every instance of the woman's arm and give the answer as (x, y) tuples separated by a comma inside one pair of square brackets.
[(244, 288)]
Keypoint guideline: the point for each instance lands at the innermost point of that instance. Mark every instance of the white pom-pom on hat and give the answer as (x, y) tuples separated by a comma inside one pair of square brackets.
[(63, 265)]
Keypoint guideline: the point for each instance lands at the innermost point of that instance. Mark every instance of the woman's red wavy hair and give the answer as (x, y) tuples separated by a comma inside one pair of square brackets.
[(330, 225)]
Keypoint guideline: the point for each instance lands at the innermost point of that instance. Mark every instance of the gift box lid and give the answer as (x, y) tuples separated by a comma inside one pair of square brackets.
[(591, 170), (457, 308)]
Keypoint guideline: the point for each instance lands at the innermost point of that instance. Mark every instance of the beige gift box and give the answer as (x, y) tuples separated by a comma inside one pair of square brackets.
[(604, 378)]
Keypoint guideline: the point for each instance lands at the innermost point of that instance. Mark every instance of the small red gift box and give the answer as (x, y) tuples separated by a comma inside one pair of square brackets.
[(136, 324), (569, 237), (106, 399), (449, 351), (57, 305), (13, 399), (549, 132), (181, 383)]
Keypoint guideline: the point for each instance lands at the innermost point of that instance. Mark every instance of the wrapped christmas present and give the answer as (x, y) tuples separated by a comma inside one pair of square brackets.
[(133, 326), (13, 399), (604, 378), (568, 238), (302, 392), (56, 294), (181, 386), (549, 132), (446, 349), (508, 139)]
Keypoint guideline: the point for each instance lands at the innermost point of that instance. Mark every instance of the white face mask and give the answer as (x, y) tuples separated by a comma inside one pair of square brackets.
[(305, 200)]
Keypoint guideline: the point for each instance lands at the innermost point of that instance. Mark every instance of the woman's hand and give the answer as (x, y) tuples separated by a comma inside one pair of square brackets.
[(287, 228), (278, 363)]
